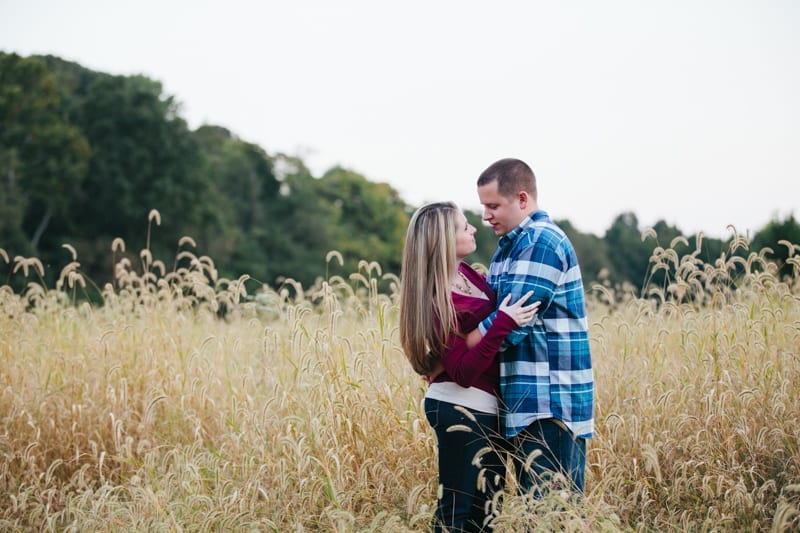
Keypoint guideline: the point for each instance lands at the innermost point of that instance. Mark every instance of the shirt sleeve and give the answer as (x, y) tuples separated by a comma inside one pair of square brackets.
[(465, 365), (537, 267)]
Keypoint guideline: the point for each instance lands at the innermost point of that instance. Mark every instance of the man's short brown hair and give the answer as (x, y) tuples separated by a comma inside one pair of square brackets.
[(512, 175)]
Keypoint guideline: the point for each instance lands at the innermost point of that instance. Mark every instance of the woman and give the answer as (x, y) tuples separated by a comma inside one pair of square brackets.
[(442, 300)]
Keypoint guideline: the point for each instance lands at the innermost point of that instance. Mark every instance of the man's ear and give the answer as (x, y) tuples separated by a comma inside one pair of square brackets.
[(523, 198)]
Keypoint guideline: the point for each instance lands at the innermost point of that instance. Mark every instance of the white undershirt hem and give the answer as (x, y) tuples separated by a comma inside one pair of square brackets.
[(472, 397)]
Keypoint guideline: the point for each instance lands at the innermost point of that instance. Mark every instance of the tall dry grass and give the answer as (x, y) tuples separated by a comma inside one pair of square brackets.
[(189, 402)]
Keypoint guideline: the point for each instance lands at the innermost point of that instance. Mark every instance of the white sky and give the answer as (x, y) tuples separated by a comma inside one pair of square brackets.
[(683, 110)]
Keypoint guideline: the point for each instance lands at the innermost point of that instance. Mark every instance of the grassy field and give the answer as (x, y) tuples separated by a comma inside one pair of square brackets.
[(190, 403)]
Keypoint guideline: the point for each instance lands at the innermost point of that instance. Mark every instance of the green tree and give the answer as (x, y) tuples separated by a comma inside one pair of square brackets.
[(43, 158), (143, 157), (304, 228), (111, 148), (628, 255), (218, 233), (770, 236), (239, 216), (370, 218)]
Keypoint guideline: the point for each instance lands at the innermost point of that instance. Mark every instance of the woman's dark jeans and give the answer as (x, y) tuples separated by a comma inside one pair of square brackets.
[(466, 490)]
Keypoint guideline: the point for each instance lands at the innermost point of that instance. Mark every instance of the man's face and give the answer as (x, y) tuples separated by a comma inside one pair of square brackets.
[(504, 214)]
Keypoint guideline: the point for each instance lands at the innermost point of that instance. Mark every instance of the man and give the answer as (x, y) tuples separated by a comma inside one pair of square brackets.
[(546, 380)]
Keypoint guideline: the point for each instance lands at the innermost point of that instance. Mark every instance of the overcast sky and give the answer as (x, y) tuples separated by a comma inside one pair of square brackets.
[(686, 111)]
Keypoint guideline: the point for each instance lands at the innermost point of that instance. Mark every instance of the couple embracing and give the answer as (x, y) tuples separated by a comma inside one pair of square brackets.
[(517, 373)]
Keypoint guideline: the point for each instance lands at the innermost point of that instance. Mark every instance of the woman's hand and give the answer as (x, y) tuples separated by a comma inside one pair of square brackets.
[(519, 312)]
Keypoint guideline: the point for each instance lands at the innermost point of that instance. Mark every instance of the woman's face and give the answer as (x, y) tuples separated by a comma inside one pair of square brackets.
[(465, 237)]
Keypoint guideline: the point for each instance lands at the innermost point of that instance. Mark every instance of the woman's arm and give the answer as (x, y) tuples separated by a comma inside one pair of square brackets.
[(522, 314), (464, 363), (473, 338)]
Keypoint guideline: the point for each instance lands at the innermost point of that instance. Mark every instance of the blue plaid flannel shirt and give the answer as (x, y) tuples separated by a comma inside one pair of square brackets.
[(546, 366)]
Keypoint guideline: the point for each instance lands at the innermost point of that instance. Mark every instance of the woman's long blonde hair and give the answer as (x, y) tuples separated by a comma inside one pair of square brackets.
[(427, 315)]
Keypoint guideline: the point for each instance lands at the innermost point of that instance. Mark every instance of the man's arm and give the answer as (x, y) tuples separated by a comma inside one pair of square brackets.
[(538, 268)]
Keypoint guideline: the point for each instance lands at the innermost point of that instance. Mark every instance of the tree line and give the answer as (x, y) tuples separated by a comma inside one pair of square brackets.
[(85, 156)]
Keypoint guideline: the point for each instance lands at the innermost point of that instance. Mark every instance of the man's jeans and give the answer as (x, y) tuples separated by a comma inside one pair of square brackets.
[(559, 452), (464, 501)]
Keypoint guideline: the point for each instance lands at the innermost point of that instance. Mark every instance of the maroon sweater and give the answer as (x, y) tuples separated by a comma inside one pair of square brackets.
[(476, 367)]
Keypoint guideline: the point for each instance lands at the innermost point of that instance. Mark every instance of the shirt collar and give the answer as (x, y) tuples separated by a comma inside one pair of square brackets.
[(511, 236)]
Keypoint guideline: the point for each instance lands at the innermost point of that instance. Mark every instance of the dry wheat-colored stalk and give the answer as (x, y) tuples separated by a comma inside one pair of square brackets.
[(186, 401)]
